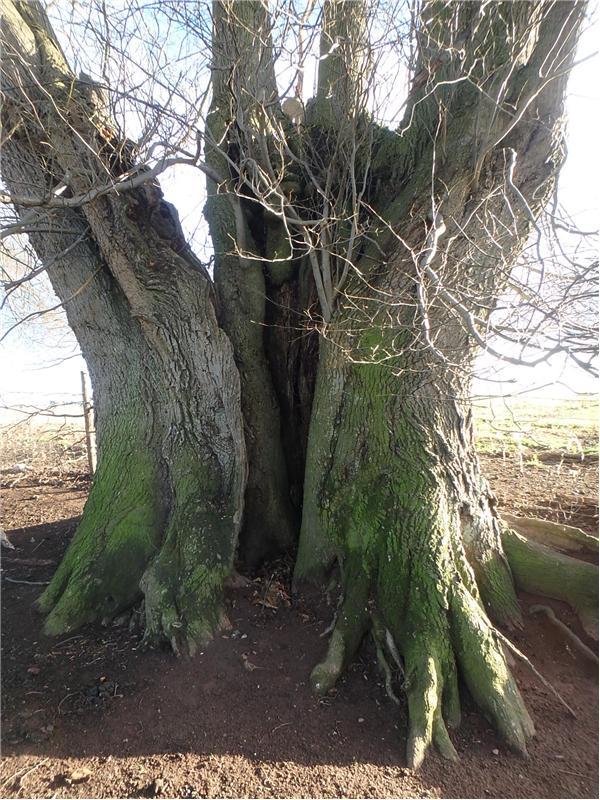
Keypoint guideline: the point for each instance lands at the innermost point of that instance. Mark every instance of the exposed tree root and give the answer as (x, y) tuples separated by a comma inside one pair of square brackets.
[(424, 689), (442, 631), (564, 629), (541, 570), (29, 583), (415, 587), (350, 627), (553, 534), (486, 673), (165, 536), (385, 643), (429, 652), (118, 535), (184, 609)]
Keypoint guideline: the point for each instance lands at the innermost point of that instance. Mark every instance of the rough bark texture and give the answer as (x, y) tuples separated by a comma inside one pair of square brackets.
[(400, 502), (541, 570), (243, 79), (393, 490), (165, 509), (431, 217)]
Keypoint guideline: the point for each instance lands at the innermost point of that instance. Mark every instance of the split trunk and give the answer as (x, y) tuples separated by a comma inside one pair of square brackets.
[(269, 411)]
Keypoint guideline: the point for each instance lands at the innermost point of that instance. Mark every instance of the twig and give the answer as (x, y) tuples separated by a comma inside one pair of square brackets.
[(277, 727), (535, 671), (571, 772), (14, 777), (70, 639), (29, 583), (66, 697), (574, 639)]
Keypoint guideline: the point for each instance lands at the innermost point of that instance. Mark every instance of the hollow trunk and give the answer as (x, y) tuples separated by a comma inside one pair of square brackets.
[(242, 72), (198, 388)]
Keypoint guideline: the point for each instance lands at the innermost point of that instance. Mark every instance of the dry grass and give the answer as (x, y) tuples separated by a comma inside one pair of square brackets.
[(520, 429), (47, 452)]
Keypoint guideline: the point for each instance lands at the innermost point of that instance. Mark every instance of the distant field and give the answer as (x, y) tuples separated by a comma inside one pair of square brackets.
[(522, 427), (534, 425)]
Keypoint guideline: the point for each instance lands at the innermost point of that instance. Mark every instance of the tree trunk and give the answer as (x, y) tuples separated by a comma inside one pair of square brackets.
[(393, 490), (292, 349), (405, 238), (242, 80), (165, 509), (394, 494)]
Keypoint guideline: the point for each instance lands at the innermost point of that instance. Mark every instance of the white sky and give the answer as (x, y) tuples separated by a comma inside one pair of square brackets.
[(31, 365)]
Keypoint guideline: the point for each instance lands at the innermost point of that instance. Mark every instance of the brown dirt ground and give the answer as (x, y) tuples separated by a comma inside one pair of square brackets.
[(92, 715)]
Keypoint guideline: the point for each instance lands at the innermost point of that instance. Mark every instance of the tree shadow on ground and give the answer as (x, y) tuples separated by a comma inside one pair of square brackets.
[(97, 693)]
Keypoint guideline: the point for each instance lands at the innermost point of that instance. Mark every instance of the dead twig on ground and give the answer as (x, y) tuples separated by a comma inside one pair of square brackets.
[(16, 776), (571, 636), (535, 671)]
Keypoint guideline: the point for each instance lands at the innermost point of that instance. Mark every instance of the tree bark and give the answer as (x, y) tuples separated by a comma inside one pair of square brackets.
[(393, 490), (430, 217), (165, 509), (243, 82)]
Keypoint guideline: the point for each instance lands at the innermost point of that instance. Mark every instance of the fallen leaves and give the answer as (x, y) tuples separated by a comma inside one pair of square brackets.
[(273, 596)]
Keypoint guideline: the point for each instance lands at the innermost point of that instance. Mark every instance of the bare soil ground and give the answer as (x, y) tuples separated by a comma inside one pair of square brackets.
[(92, 715)]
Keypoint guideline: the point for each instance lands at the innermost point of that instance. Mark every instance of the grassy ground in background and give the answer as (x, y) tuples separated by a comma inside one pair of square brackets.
[(42, 448), (531, 426), (523, 426)]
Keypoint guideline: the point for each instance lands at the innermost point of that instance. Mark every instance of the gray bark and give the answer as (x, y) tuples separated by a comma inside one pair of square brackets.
[(393, 490), (166, 507), (244, 85)]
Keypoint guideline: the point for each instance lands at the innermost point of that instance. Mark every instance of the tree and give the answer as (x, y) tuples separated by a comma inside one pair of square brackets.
[(139, 305), (318, 391)]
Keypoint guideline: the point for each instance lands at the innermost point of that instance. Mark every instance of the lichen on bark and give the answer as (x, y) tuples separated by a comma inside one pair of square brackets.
[(392, 486)]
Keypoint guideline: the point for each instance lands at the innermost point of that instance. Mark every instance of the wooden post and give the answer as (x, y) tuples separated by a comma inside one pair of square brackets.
[(90, 444)]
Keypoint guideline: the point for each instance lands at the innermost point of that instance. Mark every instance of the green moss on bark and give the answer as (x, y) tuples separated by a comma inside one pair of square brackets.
[(162, 532), (119, 532), (388, 502), (183, 586), (496, 586), (540, 570)]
